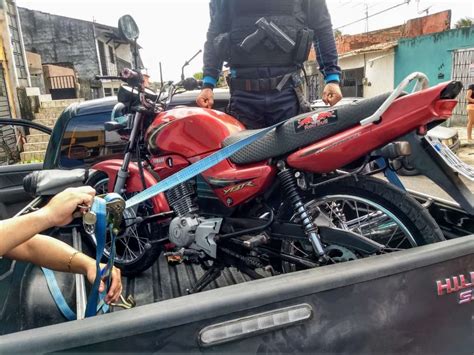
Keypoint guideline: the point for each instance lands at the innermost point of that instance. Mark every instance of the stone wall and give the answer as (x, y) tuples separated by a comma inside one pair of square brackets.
[(60, 39)]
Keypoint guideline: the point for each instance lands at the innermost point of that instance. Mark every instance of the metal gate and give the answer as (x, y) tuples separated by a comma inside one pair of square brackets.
[(462, 60), (8, 147)]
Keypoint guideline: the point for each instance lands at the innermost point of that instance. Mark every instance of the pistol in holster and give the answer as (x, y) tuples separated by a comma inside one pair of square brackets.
[(271, 35)]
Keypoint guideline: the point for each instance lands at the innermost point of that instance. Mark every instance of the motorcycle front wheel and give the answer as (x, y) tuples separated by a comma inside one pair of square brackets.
[(369, 207), (136, 248)]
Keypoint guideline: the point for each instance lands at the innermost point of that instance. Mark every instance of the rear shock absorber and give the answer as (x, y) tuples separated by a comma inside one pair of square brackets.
[(290, 188)]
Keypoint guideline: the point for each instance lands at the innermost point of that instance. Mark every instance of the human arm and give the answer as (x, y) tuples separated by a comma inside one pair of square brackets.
[(212, 61), (319, 21), (58, 212), (55, 255)]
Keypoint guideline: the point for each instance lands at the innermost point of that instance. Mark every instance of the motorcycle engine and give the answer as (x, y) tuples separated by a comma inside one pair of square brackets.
[(188, 230), (182, 231)]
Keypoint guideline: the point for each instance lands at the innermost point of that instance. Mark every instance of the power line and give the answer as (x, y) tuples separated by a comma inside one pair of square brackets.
[(406, 2)]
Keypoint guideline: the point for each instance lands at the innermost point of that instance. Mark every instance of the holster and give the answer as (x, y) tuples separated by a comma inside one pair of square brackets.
[(298, 87), (303, 45)]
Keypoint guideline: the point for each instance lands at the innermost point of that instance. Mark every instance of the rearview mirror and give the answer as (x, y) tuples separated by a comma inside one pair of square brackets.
[(128, 28), (190, 84)]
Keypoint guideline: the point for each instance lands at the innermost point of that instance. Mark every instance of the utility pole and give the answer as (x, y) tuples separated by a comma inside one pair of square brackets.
[(366, 18)]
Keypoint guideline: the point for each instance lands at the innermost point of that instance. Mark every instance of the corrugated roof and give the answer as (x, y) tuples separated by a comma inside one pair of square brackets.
[(381, 47)]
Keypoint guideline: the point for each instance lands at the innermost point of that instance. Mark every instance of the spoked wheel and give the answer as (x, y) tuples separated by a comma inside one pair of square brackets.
[(368, 207), (136, 246)]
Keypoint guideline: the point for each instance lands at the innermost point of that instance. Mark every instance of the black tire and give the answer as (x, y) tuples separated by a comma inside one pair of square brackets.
[(132, 266), (421, 228)]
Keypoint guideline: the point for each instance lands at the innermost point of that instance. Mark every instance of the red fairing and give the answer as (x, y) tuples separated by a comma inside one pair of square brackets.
[(134, 184), (167, 165), (189, 132), (235, 185), (406, 114)]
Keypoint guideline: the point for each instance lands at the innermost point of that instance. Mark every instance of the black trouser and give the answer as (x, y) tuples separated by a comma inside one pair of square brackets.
[(258, 109), (263, 109)]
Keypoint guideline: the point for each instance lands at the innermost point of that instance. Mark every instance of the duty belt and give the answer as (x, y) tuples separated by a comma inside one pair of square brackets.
[(263, 84)]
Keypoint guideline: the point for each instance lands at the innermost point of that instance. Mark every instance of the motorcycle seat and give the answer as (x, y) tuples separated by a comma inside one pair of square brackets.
[(302, 130)]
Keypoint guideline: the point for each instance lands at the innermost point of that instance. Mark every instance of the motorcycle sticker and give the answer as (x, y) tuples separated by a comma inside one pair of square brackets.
[(316, 120), (239, 187)]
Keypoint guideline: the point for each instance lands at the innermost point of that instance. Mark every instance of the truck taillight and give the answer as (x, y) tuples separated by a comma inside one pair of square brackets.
[(444, 108)]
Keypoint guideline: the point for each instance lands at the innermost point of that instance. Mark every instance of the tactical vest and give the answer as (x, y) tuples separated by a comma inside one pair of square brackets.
[(285, 15)]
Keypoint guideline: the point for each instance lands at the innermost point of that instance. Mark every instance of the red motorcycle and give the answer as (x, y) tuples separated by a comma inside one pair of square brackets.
[(300, 197)]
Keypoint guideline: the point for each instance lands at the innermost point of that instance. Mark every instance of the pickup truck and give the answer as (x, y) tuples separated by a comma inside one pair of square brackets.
[(413, 301)]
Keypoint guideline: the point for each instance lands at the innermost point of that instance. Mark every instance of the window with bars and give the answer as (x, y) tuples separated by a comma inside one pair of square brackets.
[(15, 40), (103, 58), (111, 55)]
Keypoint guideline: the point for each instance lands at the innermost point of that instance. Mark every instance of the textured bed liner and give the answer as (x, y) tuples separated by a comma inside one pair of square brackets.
[(163, 281)]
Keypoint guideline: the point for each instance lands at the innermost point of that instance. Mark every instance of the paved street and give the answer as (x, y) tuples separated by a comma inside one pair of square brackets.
[(426, 186)]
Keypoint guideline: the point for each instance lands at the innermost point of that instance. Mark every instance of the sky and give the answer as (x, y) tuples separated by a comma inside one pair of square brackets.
[(172, 31)]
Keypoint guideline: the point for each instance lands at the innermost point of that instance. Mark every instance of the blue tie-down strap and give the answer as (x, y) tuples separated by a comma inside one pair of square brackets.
[(391, 175), (99, 208), (57, 295), (198, 167), (96, 301)]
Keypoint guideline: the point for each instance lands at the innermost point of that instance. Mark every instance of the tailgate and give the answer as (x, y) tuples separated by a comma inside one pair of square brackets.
[(388, 303)]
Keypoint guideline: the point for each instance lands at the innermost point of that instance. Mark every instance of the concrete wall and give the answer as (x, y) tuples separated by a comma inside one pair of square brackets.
[(379, 70), (431, 54), (61, 40)]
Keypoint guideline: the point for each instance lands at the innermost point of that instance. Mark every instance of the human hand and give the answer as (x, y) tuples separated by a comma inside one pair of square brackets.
[(115, 289), (332, 94), (58, 212), (205, 98)]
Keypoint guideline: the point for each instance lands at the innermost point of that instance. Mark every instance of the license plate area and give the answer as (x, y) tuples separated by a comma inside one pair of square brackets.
[(451, 159)]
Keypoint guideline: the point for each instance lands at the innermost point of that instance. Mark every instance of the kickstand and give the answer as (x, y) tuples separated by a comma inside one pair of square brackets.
[(248, 271), (210, 275)]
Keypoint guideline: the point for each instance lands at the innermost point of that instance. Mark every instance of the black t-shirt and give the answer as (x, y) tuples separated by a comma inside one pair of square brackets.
[(471, 87)]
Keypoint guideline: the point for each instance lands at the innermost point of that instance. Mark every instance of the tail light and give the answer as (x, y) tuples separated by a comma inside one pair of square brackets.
[(451, 91)]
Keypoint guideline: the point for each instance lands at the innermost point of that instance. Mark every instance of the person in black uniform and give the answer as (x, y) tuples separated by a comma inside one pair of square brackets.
[(265, 43)]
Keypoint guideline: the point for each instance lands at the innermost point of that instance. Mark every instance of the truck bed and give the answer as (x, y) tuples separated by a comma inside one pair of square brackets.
[(384, 304)]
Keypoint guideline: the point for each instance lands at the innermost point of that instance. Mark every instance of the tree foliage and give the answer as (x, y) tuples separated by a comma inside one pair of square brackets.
[(464, 22)]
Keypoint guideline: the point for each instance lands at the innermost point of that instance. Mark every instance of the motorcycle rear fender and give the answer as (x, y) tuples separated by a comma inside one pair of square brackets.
[(133, 183), (427, 162)]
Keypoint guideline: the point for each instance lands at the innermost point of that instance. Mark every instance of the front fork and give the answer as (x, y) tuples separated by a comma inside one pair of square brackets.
[(123, 174), (290, 189)]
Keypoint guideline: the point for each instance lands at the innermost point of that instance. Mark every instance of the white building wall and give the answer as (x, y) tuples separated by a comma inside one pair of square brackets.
[(124, 52), (379, 70)]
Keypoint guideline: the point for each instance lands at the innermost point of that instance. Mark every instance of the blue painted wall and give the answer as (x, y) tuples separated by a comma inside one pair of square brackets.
[(431, 54)]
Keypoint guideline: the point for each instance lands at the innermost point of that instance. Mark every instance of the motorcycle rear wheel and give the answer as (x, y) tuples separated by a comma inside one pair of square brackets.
[(369, 207), (136, 247)]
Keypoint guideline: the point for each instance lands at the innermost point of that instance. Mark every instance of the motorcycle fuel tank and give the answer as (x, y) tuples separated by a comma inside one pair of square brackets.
[(190, 131)]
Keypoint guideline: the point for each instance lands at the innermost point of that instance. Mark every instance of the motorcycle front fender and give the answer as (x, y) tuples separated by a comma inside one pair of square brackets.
[(133, 184)]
